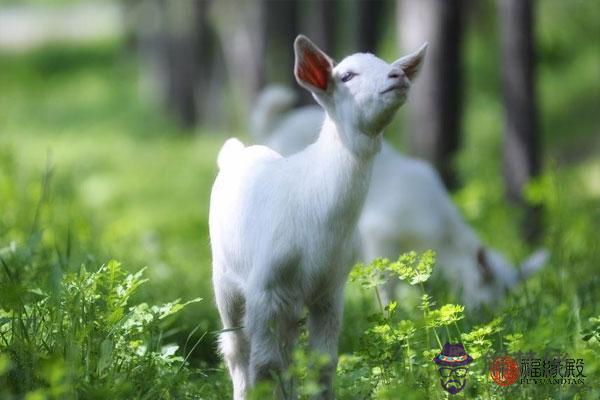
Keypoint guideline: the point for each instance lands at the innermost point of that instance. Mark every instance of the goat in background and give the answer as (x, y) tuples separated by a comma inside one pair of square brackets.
[(407, 208)]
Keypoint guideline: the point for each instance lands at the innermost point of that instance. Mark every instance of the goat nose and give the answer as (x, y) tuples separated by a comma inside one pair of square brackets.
[(396, 74)]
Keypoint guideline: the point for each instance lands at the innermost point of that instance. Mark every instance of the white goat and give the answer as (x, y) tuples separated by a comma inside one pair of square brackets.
[(407, 208), (280, 226)]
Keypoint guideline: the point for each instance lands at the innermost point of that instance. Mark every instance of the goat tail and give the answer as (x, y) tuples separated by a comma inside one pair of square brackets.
[(230, 151), (271, 103)]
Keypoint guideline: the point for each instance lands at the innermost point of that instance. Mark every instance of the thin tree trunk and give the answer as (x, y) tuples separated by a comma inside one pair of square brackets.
[(210, 72), (319, 22), (282, 26), (370, 26), (435, 105), (183, 60), (169, 37), (240, 26), (521, 147), (148, 22)]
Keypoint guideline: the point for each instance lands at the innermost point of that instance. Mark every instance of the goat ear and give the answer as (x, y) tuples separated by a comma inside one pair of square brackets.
[(411, 64), (534, 263), (312, 67)]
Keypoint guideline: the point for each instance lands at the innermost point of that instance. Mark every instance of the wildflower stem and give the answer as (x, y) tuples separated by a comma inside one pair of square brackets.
[(408, 355), (379, 300), (437, 338), (458, 331), (425, 315), (448, 333)]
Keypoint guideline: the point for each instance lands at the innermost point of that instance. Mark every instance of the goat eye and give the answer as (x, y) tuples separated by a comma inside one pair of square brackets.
[(347, 76)]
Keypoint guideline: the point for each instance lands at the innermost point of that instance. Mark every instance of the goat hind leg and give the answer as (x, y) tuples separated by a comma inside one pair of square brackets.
[(233, 344)]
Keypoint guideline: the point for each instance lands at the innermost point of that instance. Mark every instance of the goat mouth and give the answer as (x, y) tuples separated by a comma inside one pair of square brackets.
[(397, 86)]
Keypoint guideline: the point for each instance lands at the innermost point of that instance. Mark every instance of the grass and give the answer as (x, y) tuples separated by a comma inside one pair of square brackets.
[(90, 173)]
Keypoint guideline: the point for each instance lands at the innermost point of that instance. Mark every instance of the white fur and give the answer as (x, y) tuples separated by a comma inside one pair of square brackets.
[(280, 227), (408, 208)]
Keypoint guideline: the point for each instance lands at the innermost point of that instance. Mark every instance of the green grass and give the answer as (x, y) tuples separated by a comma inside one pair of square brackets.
[(142, 184), (89, 172)]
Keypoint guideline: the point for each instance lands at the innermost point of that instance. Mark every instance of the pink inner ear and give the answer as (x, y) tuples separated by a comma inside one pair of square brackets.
[(314, 69)]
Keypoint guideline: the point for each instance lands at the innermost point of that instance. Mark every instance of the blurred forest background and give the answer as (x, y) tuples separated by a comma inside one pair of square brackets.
[(111, 115)]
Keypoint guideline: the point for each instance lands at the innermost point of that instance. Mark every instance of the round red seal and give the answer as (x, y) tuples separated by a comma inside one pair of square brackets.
[(504, 370)]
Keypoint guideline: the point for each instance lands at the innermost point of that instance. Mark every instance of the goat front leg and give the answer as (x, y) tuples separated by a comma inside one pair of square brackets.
[(324, 323)]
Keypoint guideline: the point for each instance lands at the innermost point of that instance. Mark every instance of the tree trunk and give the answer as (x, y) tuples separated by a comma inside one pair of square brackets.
[(210, 74), (370, 26), (521, 147), (182, 58), (282, 27), (435, 106), (147, 20), (240, 26), (177, 52), (319, 23)]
